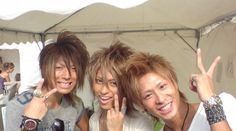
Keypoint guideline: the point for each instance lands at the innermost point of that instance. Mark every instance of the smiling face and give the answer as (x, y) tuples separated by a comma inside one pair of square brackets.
[(159, 96), (105, 89), (65, 80)]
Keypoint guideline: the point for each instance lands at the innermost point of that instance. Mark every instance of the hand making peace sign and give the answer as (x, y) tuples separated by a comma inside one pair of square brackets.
[(115, 117), (202, 83)]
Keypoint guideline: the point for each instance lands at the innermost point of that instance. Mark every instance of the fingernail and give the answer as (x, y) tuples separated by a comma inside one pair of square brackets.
[(198, 50)]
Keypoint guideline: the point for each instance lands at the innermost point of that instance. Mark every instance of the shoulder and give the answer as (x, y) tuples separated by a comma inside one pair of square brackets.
[(226, 96), (229, 105), (79, 105), (21, 99), (78, 102), (24, 97), (94, 118), (228, 100), (199, 120), (94, 121)]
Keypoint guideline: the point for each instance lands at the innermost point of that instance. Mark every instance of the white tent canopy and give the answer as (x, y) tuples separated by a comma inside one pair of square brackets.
[(14, 8), (173, 29), (29, 20)]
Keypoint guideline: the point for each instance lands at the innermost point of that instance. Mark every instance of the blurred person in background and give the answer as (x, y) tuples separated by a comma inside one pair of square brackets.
[(7, 69)]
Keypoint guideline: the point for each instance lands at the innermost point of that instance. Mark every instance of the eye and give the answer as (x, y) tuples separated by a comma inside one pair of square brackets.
[(147, 96), (58, 67), (99, 81), (73, 68), (163, 86), (113, 83)]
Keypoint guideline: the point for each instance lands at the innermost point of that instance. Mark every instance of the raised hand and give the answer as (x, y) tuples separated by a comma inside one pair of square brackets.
[(115, 117), (202, 83), (37, 108)]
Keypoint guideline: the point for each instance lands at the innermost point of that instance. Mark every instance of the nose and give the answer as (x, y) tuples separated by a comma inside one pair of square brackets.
[(104, 89), (159, 97), (66, 73)]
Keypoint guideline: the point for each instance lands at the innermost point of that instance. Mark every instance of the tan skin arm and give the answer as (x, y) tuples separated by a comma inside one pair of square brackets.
[(205, 88), (221, 125), (83, 124)]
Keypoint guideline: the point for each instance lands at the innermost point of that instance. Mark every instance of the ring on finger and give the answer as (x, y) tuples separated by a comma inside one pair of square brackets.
[(37, 93), (193, 77), (194, 80), (45, 98)]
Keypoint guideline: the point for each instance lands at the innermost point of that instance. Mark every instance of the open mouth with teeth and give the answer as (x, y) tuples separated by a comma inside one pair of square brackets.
[(164, 110), (105, 99), (65, 85)]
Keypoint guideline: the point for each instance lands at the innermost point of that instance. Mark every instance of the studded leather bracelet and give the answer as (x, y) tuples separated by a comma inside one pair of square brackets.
[(214, 110)]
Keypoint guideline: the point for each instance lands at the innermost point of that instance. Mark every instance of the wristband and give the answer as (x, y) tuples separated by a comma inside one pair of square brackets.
[(215, 114), (213, 100), (214, 110), (29, 124)]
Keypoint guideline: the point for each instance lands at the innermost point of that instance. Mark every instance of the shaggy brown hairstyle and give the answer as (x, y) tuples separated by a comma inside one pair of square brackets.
[(70, 49), (111, 59), (140, 64)]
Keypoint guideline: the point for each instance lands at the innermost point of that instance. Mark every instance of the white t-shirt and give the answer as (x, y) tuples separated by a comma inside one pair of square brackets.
[(137, 123), (200, 123)]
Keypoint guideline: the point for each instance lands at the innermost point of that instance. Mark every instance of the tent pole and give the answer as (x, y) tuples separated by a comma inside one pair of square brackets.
[(19, 31), (185, 41), (125, 31), (61, 21), (42, 37), (197, 32)]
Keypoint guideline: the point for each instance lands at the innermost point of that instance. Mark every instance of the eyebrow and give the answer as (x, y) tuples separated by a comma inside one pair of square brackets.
[(156, 85), (100, 77), (159, 83)]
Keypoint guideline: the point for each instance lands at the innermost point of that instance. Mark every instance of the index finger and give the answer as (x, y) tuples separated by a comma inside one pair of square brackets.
[(40, 84), (213, 65), (50, 92), (116, 102), (199, 62)]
